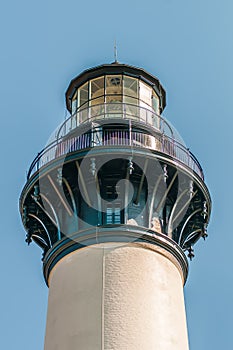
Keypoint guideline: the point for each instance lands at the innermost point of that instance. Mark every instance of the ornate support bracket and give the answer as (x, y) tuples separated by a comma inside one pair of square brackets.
[(191, 253), (93, 167), (130, 166), (165, 173)]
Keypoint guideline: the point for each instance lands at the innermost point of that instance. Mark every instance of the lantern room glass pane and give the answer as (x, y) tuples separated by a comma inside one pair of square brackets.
[(130, 100), (114, 98), (97, 101), (83, 113), (74, 103), (83, 95), (97, 107), (97, 87), (113, 85), (130, 87), (145, 93), (155, 102)]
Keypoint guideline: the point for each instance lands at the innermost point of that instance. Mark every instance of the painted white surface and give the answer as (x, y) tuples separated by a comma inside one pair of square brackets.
[(124, 297)]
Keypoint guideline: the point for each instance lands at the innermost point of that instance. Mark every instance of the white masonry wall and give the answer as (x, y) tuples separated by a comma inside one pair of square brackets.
[(123, 297)]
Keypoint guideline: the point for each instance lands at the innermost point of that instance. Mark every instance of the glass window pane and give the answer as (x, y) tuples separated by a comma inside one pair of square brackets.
[(113, 84), (143, 105), (145, 93), (117, 216), (97, 107), (74, 103), (97, 101), (155, 102), (83, 114), (109, 215), (114, 98), (83, 95), (130, 87), (130, 100), (114, 109), (97, 87), (131, 109), (113, 215)]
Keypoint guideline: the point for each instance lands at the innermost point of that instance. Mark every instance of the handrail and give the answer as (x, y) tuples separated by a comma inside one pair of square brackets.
[(99, 137), (116, 110)]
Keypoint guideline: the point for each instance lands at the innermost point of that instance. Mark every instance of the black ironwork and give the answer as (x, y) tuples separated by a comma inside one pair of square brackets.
[(62, 200), (114, 137)]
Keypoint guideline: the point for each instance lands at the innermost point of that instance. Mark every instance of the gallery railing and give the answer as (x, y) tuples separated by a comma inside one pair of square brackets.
[(117, 111), (98, 137)]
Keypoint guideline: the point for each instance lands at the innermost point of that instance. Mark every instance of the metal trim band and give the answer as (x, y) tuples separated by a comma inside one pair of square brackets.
[(114, 233)]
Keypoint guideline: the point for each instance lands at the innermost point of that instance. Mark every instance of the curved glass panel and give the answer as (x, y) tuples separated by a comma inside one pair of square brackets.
[(114, 98), (97, 101), (74, 103), (155, 102), (96, 88), (83, 95), (145, 94), (83, 115), (113, 84), (116, 89), (130, 87)]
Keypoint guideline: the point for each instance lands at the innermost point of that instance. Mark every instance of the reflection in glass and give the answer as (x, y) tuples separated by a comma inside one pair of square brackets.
[(113, 85), (97, 87), (155, 102), (130, 87), (114, 98), (113, 215), (145, 94), (74, 103), (83, 95), (83, 114)]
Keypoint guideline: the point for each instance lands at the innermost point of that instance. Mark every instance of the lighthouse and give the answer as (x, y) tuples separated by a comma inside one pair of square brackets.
[(116, 201)]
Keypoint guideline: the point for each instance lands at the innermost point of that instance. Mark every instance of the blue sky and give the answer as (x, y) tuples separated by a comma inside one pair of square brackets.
[(188, 45)]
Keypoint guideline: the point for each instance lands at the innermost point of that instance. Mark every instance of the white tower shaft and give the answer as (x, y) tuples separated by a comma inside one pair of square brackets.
[(117, 297)]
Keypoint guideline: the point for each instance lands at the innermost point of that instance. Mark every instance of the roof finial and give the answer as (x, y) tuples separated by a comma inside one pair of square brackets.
[(115, 51)]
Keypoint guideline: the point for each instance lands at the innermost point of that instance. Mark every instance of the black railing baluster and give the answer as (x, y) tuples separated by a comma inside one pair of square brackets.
[(118, 137)]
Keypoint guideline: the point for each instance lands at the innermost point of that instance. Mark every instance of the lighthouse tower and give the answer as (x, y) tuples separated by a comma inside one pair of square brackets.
[(116, 202)]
